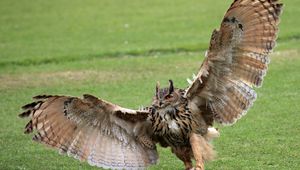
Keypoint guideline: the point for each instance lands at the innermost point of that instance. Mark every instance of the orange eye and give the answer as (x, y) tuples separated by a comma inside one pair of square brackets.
[(168, 96)]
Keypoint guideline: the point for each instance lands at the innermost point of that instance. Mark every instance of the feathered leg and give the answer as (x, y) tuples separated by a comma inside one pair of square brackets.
[(196, 141), (188, 165), (184, 154)]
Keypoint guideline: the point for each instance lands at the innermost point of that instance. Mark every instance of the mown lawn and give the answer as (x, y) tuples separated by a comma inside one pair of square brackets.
[(117, 50)]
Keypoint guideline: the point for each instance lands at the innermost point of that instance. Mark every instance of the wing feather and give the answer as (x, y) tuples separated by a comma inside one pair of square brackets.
[(237, 60), (91, 129)]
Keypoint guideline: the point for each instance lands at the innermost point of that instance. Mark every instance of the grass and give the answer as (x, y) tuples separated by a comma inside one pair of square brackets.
[(118, 51)]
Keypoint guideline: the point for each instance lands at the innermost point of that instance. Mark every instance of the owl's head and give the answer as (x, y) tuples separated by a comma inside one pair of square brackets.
[(168, 96)]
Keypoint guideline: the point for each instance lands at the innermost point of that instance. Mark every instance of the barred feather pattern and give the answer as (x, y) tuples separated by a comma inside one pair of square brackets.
[(66, 123), (109, 136), (237, 59)]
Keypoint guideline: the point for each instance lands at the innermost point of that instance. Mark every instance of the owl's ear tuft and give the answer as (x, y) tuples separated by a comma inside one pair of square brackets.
[(171, 87), (157, 90)]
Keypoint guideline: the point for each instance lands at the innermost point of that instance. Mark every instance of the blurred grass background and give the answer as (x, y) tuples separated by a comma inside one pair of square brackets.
[(117, 50)]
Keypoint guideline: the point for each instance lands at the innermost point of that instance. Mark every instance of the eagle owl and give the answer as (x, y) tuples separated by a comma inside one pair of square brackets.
[(110, 136)]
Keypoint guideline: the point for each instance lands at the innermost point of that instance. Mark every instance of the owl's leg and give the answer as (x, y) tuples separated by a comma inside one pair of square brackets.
[(196, 141), (184, 154), (188, 165)]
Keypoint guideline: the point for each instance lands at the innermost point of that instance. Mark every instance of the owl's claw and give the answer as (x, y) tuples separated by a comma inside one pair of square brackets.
[(197, 168)]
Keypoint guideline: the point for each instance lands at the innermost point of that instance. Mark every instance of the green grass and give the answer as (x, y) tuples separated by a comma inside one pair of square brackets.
[(118, 50)]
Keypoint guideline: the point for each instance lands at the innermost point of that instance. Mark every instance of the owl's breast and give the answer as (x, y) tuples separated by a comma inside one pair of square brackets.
[(172, 125)]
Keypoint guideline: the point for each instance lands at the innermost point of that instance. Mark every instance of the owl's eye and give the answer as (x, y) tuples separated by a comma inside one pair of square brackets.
[(168, 96)]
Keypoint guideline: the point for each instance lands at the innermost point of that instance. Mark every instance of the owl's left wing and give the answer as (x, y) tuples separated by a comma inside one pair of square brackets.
[(236, 61), (104, 134)]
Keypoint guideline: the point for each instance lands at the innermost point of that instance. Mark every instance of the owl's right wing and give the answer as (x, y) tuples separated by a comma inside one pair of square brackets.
[(237, 61), (104, 134)]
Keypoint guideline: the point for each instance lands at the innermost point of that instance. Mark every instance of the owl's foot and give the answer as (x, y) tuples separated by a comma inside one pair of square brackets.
[(196, 168)]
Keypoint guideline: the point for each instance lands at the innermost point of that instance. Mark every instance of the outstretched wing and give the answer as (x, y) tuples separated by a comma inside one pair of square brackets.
[(91, 129), (236, 61)]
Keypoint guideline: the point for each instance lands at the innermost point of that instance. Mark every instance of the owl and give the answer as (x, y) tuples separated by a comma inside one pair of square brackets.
[(110, 136)]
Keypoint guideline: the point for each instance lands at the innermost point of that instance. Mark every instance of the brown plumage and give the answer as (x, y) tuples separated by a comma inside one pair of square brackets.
[(109, 136)]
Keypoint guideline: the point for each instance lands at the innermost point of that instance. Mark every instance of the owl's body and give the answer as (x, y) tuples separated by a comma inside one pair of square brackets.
[(172, 119), (110, 136), (173, 122)]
